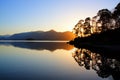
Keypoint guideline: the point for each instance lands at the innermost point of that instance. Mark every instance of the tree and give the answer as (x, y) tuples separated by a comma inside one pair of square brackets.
[(105, 17), (116, 15), (104, 20), (116, 12), (87, 26), (78, 29)]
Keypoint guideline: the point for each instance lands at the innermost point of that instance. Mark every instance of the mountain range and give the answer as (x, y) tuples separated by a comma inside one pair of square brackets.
[(40, 35)]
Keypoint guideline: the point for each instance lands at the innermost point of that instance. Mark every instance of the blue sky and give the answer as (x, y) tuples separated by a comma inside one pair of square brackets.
[(61, 15)]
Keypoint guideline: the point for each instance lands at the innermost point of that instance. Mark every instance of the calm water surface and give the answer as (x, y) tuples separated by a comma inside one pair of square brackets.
[(51, 61)]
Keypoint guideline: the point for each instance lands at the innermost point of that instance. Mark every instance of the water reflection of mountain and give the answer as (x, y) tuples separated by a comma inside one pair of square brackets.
[(39, 45), (103, 65)]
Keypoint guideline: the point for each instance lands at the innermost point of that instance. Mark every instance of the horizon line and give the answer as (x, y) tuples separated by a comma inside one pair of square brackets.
[(34, 31)]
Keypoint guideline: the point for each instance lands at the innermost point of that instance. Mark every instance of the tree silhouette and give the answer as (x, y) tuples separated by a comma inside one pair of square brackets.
[(116, 15), (103, 21), (78, 29), (105, 17), (87, 25), (116, 12)]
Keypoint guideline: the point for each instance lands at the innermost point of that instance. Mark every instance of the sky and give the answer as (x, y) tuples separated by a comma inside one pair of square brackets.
[(18, 16)]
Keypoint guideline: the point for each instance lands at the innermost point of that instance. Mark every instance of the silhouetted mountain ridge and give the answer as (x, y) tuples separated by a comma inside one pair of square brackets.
[(41, 35)]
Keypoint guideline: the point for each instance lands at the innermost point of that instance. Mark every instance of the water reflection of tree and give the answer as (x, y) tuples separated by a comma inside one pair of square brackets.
[(103, 66)]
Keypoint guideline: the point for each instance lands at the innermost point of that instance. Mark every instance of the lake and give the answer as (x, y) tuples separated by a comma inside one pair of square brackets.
[(56, 60)]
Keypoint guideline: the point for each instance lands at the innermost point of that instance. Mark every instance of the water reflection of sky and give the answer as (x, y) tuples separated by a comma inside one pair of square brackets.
[(24, 63)]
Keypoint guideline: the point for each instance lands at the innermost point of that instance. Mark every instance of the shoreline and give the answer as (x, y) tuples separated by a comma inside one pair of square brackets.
[(33, 41)]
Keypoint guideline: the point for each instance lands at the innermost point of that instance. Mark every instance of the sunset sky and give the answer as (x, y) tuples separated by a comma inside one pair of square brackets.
[(61, 15)]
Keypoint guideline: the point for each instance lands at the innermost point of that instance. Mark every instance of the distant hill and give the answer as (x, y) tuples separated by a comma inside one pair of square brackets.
[(41, 35), (2, 37)]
